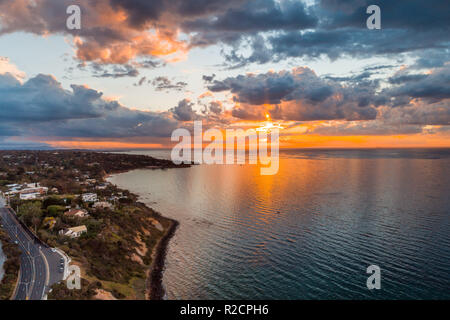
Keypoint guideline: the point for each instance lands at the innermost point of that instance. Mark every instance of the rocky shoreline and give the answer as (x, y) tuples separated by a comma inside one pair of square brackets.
[(155, 287)]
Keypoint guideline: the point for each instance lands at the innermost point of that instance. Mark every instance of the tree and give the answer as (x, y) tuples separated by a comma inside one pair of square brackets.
[(30, 213)]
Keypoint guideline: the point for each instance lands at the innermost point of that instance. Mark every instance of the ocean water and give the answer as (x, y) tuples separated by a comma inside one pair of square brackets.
[(309, 232)]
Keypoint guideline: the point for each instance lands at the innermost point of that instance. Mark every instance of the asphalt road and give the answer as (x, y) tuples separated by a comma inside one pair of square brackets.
[(39, 264)]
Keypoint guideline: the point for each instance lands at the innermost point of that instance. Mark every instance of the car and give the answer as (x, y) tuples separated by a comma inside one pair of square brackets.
[(61, 270), (61, 260)]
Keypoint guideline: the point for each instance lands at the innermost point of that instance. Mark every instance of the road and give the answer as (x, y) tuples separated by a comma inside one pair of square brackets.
[(39, 264)]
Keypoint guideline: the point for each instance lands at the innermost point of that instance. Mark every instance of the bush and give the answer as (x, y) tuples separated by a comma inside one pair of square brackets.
[(55, 210)]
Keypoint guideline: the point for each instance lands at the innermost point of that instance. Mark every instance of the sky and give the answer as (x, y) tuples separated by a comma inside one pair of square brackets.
[(138, 70)]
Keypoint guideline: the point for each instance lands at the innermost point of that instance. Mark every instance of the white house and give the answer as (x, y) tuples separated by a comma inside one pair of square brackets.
[(29, 196), (89, 197), (74, 232)]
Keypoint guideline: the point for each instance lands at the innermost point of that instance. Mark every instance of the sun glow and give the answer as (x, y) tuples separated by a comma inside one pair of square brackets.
[(268, 125)]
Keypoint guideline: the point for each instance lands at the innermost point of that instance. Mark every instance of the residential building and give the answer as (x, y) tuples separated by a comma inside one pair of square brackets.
[(89, 197), (76, 213), (74, 232)]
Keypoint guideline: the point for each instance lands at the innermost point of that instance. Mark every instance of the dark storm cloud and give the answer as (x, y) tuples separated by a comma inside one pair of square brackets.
[(306, 95), (433, 58), (432, 86), (302, 95), (412, 14), (271, 30), (183, 111), (407, 26), (43, 99), (141, 11), (121, 123), (349, 42), (26, 109), (257, 16)]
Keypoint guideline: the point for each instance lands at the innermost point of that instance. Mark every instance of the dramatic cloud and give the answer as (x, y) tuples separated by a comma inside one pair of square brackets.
[(407, 27), (250, 18), (183, 111), (119, 31), (26, 109), (433, 86), (120, 38), (43, 99), (301, 95)]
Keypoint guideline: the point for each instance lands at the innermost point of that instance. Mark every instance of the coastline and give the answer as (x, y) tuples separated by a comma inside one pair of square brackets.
[(155, 288), (154, 283), (133, 241)]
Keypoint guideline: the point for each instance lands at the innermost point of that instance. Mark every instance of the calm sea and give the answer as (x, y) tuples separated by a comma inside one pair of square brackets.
[(310, 231)]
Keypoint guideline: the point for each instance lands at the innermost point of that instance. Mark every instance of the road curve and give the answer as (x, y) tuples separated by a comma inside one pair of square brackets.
[(39, 264)]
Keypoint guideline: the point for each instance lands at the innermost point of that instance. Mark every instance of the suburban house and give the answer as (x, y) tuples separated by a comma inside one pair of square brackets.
[(32, 193), (76, 213), (74, 232), (103, 205), (28, 191), (89, 197)]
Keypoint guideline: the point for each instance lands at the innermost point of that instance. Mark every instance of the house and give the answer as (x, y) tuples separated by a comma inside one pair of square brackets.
[(74, 232), (31, 191), (76, 213), (89, 197), (29, 196), (103, 205), (32, 185)]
